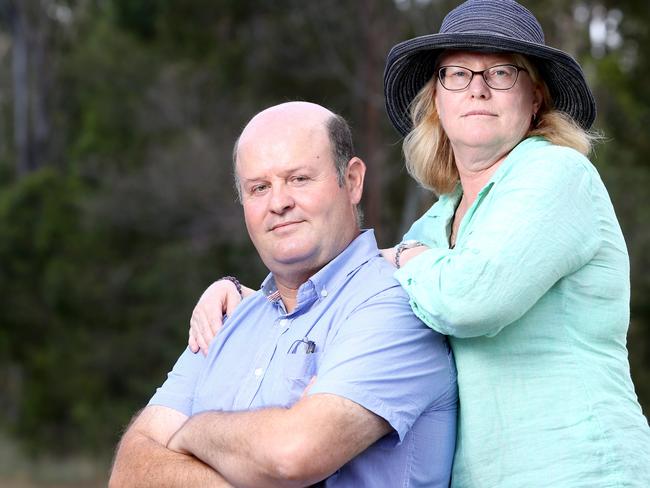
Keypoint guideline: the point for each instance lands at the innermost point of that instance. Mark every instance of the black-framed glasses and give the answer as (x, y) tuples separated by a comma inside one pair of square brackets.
[(499, 77)]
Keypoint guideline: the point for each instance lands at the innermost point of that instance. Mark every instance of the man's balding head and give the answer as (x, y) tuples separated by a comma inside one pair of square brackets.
[(308, 115)]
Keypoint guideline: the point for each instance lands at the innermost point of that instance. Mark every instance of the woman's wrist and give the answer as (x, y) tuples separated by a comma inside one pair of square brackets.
[(235, 282), (401, 247)]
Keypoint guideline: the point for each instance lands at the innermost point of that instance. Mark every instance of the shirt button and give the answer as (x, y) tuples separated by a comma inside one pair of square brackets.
[(258, 372), (284, 322), (323, 293)]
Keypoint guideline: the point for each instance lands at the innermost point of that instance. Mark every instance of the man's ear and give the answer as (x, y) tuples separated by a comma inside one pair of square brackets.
[(354, 176)]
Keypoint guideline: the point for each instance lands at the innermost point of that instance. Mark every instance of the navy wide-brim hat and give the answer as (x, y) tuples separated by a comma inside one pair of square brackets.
[(485, 26)]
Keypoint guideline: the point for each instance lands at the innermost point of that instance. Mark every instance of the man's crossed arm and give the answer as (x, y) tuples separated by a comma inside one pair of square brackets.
[(272, 447), (143, 460)]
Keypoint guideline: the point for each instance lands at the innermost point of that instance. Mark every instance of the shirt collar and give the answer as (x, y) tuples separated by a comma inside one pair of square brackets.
[(332, 275), (511, 159), (447, 202)]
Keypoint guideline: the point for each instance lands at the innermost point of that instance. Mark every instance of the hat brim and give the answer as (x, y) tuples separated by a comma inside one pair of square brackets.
[(410, 65)]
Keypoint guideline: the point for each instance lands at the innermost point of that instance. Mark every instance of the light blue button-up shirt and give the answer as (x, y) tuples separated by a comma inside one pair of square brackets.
[(368, 347)]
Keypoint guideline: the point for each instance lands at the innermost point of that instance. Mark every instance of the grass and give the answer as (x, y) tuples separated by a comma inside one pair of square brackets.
[(18, 470)]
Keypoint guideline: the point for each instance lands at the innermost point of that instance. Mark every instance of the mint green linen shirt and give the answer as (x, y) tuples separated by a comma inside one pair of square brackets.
[(535, 296)]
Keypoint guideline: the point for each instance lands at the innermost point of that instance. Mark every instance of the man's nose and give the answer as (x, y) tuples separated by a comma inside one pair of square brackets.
[(281, 199)]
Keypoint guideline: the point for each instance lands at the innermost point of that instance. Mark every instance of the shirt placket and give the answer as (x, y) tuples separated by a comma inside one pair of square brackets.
[(260, 365), (467, 220)]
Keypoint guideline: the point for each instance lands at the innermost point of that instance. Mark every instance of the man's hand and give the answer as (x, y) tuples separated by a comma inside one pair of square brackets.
[(176, 443), (308, 387)]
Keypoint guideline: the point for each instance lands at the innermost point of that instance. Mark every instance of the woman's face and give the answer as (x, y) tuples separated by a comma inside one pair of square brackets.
[(480, 118)]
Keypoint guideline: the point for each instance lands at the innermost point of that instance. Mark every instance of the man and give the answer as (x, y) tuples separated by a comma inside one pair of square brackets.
[(325, 373)]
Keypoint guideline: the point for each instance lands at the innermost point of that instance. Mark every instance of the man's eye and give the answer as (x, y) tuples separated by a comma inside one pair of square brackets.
[(299, 179), (259, 188)]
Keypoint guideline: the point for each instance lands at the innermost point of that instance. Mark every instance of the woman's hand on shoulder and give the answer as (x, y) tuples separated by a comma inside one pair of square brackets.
[(219, 299), (388, 254)]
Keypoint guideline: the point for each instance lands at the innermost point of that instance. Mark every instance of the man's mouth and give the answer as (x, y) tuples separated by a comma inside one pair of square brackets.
[(283, 225)]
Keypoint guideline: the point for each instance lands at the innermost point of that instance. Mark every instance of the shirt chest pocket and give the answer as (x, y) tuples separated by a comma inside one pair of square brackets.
[(299, 369)]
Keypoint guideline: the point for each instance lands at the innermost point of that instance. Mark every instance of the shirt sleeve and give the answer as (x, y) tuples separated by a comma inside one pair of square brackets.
[(177, 391), (389, 362), (535, 226)]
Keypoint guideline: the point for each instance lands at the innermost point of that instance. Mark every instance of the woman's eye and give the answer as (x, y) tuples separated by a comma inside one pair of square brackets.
[(500, 73)]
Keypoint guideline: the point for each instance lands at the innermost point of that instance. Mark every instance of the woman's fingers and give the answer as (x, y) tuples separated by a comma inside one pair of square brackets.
[(191, 342), (205, 330), (196, 332), (207, 317), (233, 301)]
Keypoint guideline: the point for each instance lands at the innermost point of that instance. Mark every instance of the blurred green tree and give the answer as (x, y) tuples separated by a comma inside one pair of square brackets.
[(106, 243)]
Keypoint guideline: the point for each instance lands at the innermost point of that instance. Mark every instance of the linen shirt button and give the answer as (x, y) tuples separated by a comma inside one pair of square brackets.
[(323, 293), (284, 322), (258, 372)]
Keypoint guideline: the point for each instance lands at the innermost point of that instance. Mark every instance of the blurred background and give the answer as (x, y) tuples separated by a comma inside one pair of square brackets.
[(117, 119)]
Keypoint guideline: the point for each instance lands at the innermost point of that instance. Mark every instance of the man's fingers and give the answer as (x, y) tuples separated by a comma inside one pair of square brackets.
[(308, 387)]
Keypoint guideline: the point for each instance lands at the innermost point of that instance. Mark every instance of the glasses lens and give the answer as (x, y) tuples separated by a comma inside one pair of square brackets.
[(454, 77), (501, 77)]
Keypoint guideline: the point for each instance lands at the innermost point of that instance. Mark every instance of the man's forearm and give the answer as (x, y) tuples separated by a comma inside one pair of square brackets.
[(144, 463), (278, 447), (248, 448)]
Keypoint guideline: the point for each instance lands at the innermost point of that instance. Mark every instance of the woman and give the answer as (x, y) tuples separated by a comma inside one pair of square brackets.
[(521, 261)]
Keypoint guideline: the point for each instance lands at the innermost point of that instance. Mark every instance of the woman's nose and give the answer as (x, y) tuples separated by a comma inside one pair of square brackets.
[(478, 87)]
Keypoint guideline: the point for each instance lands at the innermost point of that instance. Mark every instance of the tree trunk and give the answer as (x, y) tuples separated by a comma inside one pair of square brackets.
[(31, 32), (20, 73), (41, 83), (415, 201), (370, 132)]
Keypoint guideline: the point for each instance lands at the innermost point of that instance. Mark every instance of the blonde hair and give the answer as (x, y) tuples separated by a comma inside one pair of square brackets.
[(427, 149)]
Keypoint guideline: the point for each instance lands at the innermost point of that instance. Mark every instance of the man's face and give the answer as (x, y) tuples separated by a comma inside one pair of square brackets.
[(297, 215)]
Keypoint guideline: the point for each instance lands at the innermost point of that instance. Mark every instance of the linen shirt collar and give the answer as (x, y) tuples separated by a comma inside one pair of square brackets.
[(511, 159), (449, 201)]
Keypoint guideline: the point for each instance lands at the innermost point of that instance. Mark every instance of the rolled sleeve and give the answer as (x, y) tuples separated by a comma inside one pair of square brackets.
[(177, 391)]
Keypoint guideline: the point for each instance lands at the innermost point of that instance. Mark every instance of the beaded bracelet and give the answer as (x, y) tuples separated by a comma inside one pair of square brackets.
[(235, 281), (402, 246)]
